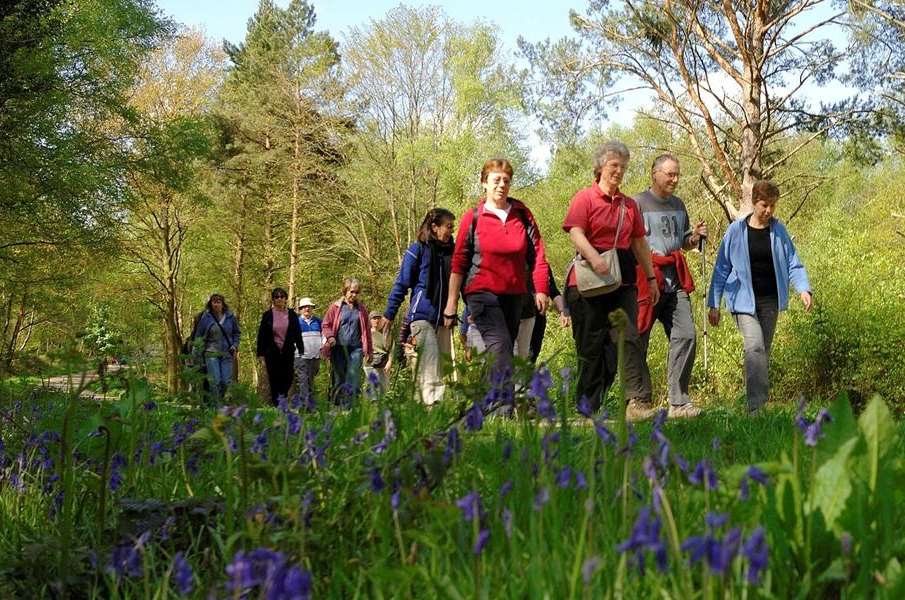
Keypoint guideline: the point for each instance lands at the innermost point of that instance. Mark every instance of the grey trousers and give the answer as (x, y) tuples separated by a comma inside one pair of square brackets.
[(674, 312), (757, 332), (431, 344), (306, 370)]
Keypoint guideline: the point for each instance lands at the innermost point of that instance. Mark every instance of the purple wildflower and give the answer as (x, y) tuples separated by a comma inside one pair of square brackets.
[(260, 445), (116, 477), (453, 445), (294, 423), (564, 477), (377, 483), (149, 405), (507, 522), (547, 443), (756, 551), (752, 474), (507, 450), (395, 499), (474, 418), (584, 408), (540, 385), (182, 574), (481, 541), (542, 497), (580, 481), (605, 435), (588, 568), (814, 429), (645, 537), (505, 489), (704, 474), (470, 506)]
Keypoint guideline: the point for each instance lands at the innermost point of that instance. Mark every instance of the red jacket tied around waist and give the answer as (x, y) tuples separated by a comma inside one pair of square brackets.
[(645, 308)]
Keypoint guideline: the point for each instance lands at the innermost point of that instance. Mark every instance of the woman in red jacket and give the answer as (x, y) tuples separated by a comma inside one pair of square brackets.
[(498, 248), (347, 342)]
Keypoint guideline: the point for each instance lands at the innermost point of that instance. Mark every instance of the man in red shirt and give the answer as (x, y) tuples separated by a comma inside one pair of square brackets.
[(592, 223)]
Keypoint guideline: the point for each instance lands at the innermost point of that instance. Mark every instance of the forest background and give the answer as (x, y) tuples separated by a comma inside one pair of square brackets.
[(144, 166)]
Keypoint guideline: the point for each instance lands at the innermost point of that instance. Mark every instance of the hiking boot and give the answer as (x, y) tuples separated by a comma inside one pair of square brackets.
[(683, 411), (639, 410)]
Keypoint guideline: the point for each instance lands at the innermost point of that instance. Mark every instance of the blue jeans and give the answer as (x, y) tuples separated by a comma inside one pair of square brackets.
[(219, 373), (346, 375)]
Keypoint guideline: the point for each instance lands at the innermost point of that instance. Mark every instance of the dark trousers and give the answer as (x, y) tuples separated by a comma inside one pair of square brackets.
[(595, 344), (497, 318), (537, 337), (279, 372)]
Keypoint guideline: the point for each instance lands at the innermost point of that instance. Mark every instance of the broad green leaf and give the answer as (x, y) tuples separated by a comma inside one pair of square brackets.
[(832, 485), (876, 423), (841, 429)]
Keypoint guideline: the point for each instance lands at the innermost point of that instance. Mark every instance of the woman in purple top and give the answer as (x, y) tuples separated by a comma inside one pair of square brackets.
[(278, 337)]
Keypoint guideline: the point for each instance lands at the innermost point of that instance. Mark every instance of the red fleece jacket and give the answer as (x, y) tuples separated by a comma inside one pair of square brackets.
[(498, 264), (645, 308)]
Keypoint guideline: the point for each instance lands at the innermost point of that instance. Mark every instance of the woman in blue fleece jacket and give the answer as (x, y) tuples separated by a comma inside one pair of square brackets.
[(425, 271), (754, 267)]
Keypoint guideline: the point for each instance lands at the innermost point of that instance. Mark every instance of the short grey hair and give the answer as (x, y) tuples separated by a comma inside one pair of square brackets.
[(663, 158), (349, 283), (605, 150)]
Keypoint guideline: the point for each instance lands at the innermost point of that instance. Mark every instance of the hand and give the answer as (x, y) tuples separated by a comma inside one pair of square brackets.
[(713, 317), (368, 357), (450, 314), (541, 301), (565, 321), (331, 341), (467, 354), (600, 266), (700, 231), (384, 325), (654, 292), (807, 301)]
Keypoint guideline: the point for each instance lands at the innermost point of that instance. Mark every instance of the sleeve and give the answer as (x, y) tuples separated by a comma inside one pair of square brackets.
[(237, 333), (460, 256), (638, 229), (541, 267), (262, 336), (721, 270), (798, 276), (367, 341), (577, 215), (404, 280), (327, 323)]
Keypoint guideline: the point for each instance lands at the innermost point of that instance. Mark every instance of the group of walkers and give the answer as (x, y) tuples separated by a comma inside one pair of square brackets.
[(629, 255)]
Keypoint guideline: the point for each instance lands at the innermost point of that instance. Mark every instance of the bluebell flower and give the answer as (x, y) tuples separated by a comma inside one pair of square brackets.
[(814, 429), (645, 537), (453, 445), (704, 474), (474, 418), (377, 483), (541, 498), (289, 583), (505, 489), (752, 474), (149, 405), (260, 445), (715, 444), (541, 381), (481, 541), (580, 481), (294, 423), (470, 505), (564, 477), (507, 522), (605, 435), (547, 444), (588, 568), (756, 551), (395, 499), (507, 450), (584, 407), (258, 418), (182, 575), (282, 406)]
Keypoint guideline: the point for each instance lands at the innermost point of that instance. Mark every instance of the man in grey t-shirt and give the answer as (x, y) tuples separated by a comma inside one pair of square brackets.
[(669, 230)]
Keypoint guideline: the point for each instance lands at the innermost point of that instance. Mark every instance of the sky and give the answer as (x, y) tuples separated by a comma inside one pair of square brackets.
[(534, 20)]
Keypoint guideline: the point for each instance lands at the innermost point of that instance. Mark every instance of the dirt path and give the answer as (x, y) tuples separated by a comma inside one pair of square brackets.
[(67, 383)]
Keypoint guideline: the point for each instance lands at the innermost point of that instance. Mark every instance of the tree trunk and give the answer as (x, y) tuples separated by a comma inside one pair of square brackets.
[(293, 236)]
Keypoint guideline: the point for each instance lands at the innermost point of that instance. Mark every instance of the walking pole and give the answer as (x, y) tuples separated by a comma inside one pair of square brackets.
[(702, 248), (452, 352)]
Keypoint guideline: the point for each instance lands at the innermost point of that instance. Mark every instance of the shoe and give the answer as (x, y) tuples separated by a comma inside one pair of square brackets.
[(639, 410), (683, 411)]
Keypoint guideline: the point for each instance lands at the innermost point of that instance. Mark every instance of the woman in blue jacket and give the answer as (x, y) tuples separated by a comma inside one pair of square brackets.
[(755, 264), (425, 271), (216, 340)]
